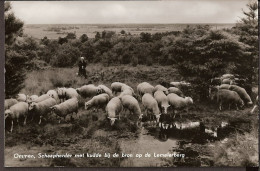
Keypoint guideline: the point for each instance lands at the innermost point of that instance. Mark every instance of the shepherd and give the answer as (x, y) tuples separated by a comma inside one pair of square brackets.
[(82, 67)]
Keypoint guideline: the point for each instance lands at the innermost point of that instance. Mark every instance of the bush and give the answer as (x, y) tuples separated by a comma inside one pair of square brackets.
[(67, 56)]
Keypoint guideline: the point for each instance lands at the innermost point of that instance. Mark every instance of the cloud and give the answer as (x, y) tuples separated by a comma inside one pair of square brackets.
[(174, 11)]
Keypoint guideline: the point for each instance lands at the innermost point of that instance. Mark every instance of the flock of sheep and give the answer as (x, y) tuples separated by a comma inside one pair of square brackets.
[(156, 100), (121, 97), (228, 89)]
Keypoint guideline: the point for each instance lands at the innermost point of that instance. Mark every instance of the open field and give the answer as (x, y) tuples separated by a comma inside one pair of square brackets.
[(90, 132), (54, 31)]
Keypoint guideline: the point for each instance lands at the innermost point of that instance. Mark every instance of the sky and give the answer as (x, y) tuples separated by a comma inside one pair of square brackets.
[(114, 12)]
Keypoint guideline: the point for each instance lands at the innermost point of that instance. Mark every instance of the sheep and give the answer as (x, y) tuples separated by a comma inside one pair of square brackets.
[(255, 106), (71, 93), (61, 93), (162, 88), (126, 92), (21, 97), (225, 76), (178, 102), (228, 81), (116, 87), (150, 104), (241, 91), (89, 90), (32, 97), (215, 81), (65, 108), (9, 103), (224, 86), (162, 101), (180, 84), (99, 101), (130, 103), (176, 91), (143, 88), (165, 84), (106, 90), (113, 108), (41, 98), (228, 97), (16, 111), (53, 94), (126, 87), (42, 108)]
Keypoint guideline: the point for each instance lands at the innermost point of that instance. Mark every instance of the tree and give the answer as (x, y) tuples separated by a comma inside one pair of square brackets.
[(71, 36), (83, 38), (15, 62), (247, 29), (13, 26), (62, 40), (45, 40), (200, 54), (145, 37), (97, 36), (87, 51), (123, 32), (66, 56)]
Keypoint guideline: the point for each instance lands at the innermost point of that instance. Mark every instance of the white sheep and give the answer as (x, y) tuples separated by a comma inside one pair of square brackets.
[(21, 97), (162, 101), (106, 90), (70, 106), (241, 92), (31, 98), (41, 98), (9, 103), (229, 97), (126, 87), (227, 76), (89, 90), (71, 93), (16, 111), (42, 108), (126, 92), (143, 88), (178, 102), (180, 84), (175, 90), (53, 94), (151, 105), (113, 108), (116, 87), (162, 88), (130, 103), (98, 101)]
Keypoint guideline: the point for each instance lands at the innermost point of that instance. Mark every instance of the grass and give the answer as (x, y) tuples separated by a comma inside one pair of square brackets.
[(49, 79), (238, 150)]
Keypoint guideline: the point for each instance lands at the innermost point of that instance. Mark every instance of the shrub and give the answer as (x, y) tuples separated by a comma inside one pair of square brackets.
[(67, 56)]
